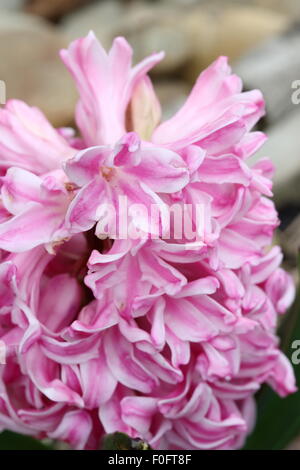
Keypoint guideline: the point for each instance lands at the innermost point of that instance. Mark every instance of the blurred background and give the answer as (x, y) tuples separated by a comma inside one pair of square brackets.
[(261, 38)]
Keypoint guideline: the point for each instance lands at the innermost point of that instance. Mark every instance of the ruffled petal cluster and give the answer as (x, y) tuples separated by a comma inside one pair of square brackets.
[(163, 337)]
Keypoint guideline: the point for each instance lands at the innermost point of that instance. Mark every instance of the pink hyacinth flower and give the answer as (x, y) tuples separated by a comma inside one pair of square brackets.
[(165, 338)]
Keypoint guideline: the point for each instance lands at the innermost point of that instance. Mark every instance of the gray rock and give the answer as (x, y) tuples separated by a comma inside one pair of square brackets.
[(290, 243), (184, 3), (54, 9), (12, 4), (171, 94), (148, 27), (162, 37), (272, 68), (289, 7), (101, 17), (31, 68), (232, 30), (283, 148), (18, 21)]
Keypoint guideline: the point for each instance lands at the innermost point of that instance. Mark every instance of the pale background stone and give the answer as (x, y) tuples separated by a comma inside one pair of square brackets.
[(283, 147), (31, 68)]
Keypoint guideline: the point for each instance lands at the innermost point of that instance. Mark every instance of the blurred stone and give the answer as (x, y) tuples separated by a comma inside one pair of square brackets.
[(18, 21), (148, 27), (12, 4), (157, 27), (53, 9), (101, 17), (200, 25), (184, 3), (241, 28), (272, 68), (171, 94), (162, 37), (290, 242), (230, 30), (289, 7), (283, 148), (31, 68)]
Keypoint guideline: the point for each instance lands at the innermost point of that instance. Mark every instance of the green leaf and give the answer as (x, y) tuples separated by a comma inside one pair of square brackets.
[(12, 441), (121, 441), (278, 419)]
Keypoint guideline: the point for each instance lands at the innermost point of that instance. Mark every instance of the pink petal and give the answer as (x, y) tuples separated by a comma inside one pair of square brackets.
[(105, 83), (28, 140), (74, 428)]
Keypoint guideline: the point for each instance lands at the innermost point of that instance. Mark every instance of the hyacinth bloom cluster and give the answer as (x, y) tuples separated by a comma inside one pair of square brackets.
[(164, 339)]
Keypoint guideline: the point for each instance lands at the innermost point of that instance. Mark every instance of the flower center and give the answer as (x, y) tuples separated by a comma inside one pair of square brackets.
[(107, 172)]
